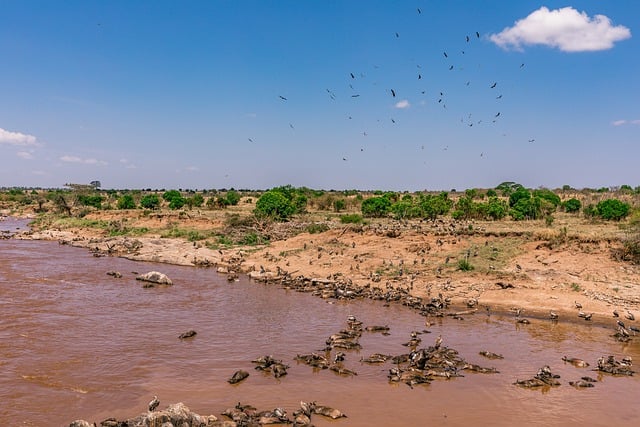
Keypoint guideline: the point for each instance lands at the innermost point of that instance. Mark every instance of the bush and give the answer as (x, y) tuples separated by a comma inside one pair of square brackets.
[(432, 206), (613, 209), (549, 196), (232, 198), (196, 200), (572, 205), (150, 201), (464, 265), (339, 205), (519, 194), (351, 219), (496, 209), (527, 208), (273, 204), (126, 202), (376, 206), (316, 228), (94, 200), (175, 199)]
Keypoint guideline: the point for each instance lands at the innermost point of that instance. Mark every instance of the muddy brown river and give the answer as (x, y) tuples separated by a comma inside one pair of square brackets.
[(76, 343)]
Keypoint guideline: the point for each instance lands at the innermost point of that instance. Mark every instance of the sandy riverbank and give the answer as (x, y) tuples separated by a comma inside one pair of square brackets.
[(511, 269)]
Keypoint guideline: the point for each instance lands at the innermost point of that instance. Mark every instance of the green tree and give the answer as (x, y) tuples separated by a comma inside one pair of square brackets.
[(377, 206), (232, 198), (150, 201), (496, 209), (519, 194), (274, 204), (432, 206), (94, 200), (613, 209), (572, 205), (339, 205), (508, 187), (196, 200), (548, 195), (126, 202), (175, 199)]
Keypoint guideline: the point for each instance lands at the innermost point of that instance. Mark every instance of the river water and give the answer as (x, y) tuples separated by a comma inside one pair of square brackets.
[(76, 343)]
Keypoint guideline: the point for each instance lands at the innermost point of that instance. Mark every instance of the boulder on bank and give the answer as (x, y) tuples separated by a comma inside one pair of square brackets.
[(176, 415), (154, 278)]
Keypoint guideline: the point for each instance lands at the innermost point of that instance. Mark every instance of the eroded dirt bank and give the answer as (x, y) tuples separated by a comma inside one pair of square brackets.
[(508, 269)]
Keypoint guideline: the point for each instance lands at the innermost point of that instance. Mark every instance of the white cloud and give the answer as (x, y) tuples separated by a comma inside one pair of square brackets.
[(16, 138), (24, 155), (403, 104), (565, 29), (127, 164), (88, 161), (625, 122)]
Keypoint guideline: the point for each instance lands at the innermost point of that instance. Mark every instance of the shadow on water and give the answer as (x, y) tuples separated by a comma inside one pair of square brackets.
[(76, 343)]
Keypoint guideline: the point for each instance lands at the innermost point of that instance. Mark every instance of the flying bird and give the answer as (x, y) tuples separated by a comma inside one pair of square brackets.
[(291, 126), (419, 76), (467, 39), (250, 140), (393, 92), (532, 140), (352, 76), (494, 85), (282, 97), (477, 34), (355, 96), (154, 403), (451, 68), (498, 114), (499, 97), (419, 11), (397, 35), (522, 65), (445, 54)]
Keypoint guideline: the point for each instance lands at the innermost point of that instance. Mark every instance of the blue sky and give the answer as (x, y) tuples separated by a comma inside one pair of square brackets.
[(168, 94)]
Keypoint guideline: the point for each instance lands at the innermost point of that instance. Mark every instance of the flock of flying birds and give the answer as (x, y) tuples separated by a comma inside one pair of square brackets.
[(440, 99)]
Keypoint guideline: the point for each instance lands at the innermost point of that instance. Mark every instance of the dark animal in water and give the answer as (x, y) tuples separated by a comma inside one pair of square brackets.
[(238, 376), (578, 363), (188, 334)]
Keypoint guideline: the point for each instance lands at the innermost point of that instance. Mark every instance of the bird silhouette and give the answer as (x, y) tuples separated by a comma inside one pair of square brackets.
[(494, 85), (283, 98), (393, 92), (467, 39), (352, 76), (477, 34)]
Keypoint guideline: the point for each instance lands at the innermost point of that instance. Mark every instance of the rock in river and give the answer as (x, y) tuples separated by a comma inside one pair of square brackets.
[(154, 278)]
